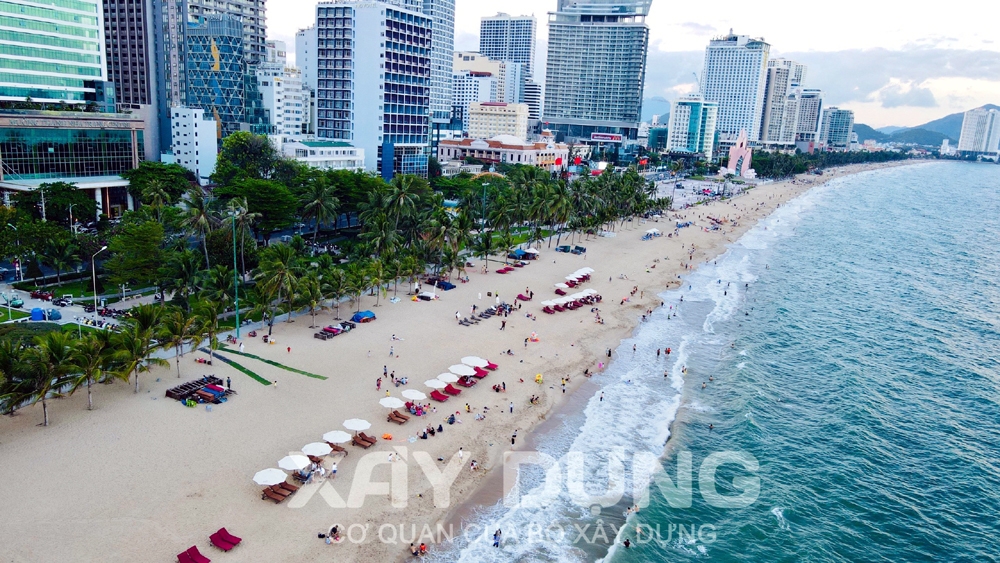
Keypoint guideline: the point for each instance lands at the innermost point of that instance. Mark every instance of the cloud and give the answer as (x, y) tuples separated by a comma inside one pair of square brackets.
[(898, 94), (699, 28)]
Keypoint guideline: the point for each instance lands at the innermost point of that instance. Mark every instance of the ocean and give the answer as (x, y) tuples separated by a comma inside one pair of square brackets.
[(838, 367)]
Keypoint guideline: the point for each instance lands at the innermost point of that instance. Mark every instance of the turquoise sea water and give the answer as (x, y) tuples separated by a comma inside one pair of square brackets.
[(854, 342)]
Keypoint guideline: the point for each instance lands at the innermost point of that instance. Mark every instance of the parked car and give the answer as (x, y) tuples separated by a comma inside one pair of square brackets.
[(43, 295), (62, 302), (564, 248), (578, 250), (17, 302), (53, 314)]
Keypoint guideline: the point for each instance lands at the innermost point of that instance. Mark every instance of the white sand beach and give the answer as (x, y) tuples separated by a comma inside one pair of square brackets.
[(142, 478)]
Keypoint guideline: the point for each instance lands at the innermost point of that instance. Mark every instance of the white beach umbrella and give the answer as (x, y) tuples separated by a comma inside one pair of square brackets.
[(562, 286), (269, 477), (587, 270), (653, 232), (476, 361), (574, 277), (435, 384), (391, 403), (357, 424), (337, 437), (447, 377), (462, 369), (531, 251), (317, 449), (548, 303), (294, 462), (589, 292), (414, 395)]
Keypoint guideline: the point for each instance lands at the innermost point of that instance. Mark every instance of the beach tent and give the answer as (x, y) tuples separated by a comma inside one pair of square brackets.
[(363, 317), (531, 251), (518, 254)]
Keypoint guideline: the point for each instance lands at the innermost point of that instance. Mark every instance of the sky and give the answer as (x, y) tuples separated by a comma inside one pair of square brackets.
[(893, 63)]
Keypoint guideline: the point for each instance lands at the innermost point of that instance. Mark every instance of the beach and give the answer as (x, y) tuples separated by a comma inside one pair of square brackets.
[(142, 478)]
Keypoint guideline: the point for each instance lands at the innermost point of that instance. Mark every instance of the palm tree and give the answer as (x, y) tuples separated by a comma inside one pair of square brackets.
[(156, 197), (181, 274), (245, 219), (357, 280), (207, 327), (311, 294), (376, 272), (277, 275), (91, 356), (484, 246), (46, 366), (402, 197), (199, 218), (319, 203), (217, 284), (62, 255), (335, 286), (135, 342), (176, 330), (379, 235)]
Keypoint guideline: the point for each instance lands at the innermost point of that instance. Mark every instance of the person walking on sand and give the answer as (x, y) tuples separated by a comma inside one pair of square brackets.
[(513, 438), (503, 325), (378, 384), (392, 351), (242, 347), (602, 397), (289, 349), (512, 407)]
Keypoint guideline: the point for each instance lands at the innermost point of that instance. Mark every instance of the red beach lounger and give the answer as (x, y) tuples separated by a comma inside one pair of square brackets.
[(438, 396), (560, 292), (196, 555), (184, 558), (224, 533), (451, 390), (480, 372), (220, 543), (548, 310), (466, 381), (491, 366)]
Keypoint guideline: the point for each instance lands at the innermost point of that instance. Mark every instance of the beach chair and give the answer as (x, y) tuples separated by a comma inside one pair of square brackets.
[(288, 487), (337, 448), (229, 538), (480, 371), (400, 415), (315, 459), (548, 310), (392, 418), (360, 443), (184, 558), (439, 396), (466, 381), (560, 292), (219, 542), (523, 297), (278, 490), (451, 390), (196, 555), (269, 494), (559, 308), (491, 366), (371, 440)]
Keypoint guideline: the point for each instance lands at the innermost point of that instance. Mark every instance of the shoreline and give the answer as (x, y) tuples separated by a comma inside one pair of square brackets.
[(489, 492), (185, 472)]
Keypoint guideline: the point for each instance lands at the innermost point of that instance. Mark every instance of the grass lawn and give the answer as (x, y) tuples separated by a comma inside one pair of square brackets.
[(76, 288), (14, 314)]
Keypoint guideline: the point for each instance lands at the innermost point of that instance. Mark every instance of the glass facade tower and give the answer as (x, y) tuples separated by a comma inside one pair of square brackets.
[(51, 50)]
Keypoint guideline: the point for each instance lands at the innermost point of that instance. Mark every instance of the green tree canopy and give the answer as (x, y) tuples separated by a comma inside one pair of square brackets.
[(173, 179), (136, 254), (274, 202), (59, 196), (245, 156)]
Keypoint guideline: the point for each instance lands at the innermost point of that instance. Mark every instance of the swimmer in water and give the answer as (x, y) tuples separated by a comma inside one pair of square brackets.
[(704, 385)]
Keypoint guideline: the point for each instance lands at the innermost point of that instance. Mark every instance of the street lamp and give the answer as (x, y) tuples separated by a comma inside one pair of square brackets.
[(236, 280), (17, 241), (93, 273)]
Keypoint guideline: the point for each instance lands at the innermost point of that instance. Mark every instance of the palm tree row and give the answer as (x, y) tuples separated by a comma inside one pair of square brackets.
[(57, 363)]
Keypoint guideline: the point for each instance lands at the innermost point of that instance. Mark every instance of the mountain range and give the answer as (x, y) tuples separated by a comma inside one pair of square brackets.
[(930, 133)]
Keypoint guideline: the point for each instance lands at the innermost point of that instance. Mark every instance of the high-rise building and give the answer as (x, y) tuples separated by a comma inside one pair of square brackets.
[(509, 75), (509, 38), (305, 55), (735, 77), (442, 45), (284, 98), (194, 141), (836, 129), (491, 119), (275, 52), (692, 126), (779, 120), (980, 131), (173, 19), (215, 70), (810, 115), (374, 80), (52, 51), (469, 87), (596, 69), (534, 98)]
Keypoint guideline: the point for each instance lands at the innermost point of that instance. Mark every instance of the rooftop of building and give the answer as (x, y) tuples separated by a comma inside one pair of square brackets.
[(503, 142), (325, 144)]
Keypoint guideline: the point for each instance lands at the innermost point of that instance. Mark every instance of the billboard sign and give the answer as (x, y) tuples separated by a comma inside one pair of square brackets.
[(606, 137)]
